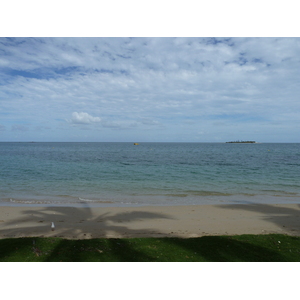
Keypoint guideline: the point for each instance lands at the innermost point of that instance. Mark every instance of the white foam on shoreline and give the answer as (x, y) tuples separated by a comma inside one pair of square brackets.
[(95, 201)]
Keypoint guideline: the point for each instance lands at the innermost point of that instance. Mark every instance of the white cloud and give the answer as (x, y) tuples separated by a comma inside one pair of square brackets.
[(83, 118)]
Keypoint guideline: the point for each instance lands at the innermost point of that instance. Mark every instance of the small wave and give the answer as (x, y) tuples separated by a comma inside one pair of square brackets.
[(209, 193), (278, 193), (19, 201), (177, 195), (95, 201), (56, 202)]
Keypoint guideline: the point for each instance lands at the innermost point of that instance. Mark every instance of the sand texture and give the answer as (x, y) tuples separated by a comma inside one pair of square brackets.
[(150, 221)]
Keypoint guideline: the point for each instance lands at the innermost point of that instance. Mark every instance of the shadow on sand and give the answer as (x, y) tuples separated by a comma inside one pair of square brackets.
[(79, 222), (109, 225), (36, 223), (286, 218)]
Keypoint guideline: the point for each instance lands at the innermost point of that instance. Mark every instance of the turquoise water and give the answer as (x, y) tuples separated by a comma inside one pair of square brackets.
[(121, 174)]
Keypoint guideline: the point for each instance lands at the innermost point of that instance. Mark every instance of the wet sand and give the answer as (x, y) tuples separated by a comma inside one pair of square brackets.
[(149, 221)]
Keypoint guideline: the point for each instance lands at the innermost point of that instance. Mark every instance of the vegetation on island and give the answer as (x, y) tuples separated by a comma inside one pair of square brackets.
[(242, 142), (240, 248)]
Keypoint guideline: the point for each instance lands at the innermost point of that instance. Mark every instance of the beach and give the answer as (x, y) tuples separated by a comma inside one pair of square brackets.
[(114, 190), (149, 221)]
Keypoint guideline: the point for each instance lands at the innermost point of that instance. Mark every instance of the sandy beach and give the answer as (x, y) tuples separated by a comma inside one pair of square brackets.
[(149, 221)]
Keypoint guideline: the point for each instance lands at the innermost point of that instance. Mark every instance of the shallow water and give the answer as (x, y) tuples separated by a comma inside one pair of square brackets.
[(117, 174)]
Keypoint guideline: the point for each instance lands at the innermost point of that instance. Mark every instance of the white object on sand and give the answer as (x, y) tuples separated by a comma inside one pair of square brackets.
[(52, 226)]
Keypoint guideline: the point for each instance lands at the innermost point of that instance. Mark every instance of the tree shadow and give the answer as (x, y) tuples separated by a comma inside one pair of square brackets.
[(225, 249), (221, 248), (286, 218), (87, 226), (105, 250), (111, 225)]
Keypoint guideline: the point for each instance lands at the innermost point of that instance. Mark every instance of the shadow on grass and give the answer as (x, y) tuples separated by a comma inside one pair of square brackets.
[(246, 248), (86, 226), (212, 248), (98, 250), (225, 249)]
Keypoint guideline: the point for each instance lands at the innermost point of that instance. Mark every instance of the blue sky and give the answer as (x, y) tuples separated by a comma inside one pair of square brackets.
[(150, 89)]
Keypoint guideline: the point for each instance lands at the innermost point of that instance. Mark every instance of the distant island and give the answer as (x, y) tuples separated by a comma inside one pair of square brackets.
[(242, 142)]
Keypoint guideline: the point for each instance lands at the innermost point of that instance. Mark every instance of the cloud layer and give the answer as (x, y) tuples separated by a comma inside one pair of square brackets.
[(150, 89)]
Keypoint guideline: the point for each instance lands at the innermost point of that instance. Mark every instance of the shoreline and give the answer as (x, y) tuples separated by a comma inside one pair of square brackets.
[(184, 221)]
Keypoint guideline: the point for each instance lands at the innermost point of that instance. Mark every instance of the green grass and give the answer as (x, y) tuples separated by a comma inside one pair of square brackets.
[(242, 248)]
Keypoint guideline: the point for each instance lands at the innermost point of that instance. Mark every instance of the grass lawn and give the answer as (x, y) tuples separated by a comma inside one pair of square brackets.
[(242, 248)]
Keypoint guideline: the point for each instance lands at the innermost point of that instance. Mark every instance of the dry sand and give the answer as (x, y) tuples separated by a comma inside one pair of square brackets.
[(150, 221)]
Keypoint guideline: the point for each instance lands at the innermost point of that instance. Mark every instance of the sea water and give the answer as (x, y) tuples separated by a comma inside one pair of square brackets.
[(124, 174)]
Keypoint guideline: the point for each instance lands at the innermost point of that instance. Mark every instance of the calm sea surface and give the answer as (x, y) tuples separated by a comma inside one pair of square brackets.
[(122, 174)]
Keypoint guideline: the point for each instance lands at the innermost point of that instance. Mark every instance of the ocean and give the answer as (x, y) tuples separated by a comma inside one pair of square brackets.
[(124, 174)]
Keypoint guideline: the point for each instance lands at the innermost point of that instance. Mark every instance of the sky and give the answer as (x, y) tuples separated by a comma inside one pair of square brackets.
[(150, 89)]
